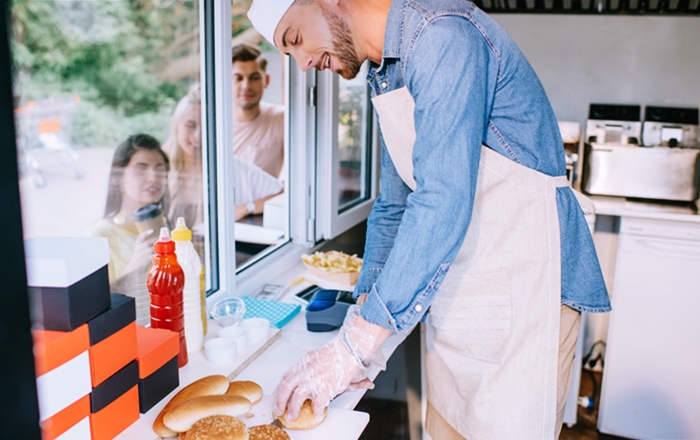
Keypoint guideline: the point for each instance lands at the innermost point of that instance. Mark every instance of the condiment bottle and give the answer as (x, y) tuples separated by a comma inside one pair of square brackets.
[(191, 265), (165, 281)]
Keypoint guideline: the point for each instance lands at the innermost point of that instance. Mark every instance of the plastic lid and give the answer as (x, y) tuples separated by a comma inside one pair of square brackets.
[(147, 212), (164, 245), (181, 233)]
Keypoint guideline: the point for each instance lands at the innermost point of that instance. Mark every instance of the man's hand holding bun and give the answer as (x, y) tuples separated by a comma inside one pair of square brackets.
[(342, 364)]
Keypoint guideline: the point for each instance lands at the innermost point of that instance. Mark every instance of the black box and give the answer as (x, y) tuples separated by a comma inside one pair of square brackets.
[(154, 388), (121, 313), (112, 388), (67, 308)]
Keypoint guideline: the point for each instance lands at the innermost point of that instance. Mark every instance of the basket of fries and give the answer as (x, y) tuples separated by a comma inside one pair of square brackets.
[(335, 266)]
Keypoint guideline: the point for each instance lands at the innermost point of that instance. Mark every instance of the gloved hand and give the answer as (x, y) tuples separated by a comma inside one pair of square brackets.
[(341, 364), (352, 330)]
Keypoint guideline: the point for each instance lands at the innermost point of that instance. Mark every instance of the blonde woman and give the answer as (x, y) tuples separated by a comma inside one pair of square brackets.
[(184, 148)]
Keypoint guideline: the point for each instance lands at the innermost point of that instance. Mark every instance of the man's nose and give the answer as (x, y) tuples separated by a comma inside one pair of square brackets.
[(304, 60)]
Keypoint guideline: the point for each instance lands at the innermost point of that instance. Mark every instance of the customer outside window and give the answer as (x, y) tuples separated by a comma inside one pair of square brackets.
[(137, 178), (258, 130), (184, 148)]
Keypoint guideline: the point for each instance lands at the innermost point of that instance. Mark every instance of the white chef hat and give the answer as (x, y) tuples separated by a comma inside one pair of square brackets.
[(266, 15)]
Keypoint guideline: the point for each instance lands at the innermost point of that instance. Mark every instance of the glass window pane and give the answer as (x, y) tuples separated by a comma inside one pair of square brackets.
[(260, 172), (353, 140), (110, 124)]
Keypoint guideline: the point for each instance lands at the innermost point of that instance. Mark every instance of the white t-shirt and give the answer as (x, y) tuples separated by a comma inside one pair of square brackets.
[(261, 141)]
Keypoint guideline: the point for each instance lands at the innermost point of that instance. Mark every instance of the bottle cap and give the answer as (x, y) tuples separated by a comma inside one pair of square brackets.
[(181, 233), (164, 245)]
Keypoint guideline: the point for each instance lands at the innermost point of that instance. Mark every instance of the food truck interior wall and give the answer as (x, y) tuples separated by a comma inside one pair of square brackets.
[(616, 59)]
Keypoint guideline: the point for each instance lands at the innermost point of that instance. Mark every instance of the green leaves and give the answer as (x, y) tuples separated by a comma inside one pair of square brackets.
[(112, 54), (118, 48)]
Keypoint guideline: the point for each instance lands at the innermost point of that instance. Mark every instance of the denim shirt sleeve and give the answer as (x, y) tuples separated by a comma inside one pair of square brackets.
[(448, 73), (382, 224)]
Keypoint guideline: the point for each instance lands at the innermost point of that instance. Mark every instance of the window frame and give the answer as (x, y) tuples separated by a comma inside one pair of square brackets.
[(300, 146), (214, 19), (312, 170), (332, 220)]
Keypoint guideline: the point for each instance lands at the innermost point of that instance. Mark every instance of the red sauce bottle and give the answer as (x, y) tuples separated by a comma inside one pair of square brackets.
[(165, 281)]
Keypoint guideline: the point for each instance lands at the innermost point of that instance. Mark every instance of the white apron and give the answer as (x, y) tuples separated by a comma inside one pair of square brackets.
[(493, 329)]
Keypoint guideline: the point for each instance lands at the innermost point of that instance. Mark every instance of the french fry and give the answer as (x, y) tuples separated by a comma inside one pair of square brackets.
[(334, 262)]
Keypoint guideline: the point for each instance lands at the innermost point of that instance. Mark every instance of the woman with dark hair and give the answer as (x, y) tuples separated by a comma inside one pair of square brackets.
[(138, 177)]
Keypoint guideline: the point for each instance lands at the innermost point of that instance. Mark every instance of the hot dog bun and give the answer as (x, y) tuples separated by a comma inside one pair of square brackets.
[(306, 419), (246, 388), (206, 386), (182, 417)]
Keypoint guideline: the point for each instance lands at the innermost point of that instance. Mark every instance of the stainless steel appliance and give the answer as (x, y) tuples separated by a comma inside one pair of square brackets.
[(670, 127), (666, 168)]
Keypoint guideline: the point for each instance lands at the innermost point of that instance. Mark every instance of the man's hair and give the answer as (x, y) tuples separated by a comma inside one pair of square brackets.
[(246, 52)]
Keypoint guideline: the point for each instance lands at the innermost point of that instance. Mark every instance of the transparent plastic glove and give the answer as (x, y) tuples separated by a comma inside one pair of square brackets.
[(375, 359), (322, 374)]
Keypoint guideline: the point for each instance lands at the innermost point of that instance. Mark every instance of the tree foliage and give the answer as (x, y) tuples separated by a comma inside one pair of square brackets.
[(116, 48), (129, 61)]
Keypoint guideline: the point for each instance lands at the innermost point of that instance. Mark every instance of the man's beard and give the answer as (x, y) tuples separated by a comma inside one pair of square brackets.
[(243, 105), (343, 45)]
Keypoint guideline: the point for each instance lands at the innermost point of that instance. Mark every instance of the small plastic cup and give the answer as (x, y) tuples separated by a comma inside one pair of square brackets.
[(228, 311), (220, 350), (258, 329), (237, 334)]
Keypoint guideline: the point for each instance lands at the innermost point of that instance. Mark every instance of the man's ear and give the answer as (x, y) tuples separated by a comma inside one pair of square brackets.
[(267, 80)]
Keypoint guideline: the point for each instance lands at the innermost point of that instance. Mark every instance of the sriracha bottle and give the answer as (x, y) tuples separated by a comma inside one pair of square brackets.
[(165, 281)]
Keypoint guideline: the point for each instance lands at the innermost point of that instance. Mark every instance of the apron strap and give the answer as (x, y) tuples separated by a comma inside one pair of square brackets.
[(561, 181)]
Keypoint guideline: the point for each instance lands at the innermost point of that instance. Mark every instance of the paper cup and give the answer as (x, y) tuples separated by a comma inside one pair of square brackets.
[(258, 329), (220, 350), (237, 334), (149, 218)]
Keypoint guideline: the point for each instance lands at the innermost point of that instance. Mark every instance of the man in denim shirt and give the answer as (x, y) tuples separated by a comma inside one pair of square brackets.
[(475, 220)]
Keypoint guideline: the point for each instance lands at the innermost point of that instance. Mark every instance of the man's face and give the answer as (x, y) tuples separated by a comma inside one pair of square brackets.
[(249, 82), (317, 37)]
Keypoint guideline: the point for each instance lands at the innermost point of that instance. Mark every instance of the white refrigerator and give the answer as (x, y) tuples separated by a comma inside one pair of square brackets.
[(651, 379)]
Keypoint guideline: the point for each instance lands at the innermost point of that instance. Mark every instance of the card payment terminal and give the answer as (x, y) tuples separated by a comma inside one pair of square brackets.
[(326, 310)]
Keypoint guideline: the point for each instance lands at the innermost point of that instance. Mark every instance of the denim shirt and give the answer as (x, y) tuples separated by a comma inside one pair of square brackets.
[(472, 86)]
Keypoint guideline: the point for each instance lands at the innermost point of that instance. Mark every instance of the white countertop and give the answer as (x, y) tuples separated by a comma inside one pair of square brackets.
[(267, 369), (619, 206)]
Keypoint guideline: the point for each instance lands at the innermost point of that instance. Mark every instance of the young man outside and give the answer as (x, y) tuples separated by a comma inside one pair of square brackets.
[(258, 126)]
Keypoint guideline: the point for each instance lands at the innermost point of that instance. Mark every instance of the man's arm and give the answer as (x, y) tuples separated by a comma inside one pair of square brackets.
[(241, 211), (382, 224), (451, 76)]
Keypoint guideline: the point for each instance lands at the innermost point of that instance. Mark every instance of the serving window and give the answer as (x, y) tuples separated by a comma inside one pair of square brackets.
[(110, 111), (129, 116)]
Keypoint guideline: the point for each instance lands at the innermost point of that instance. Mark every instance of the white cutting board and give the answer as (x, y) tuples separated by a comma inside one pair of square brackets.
[(340, 424)]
